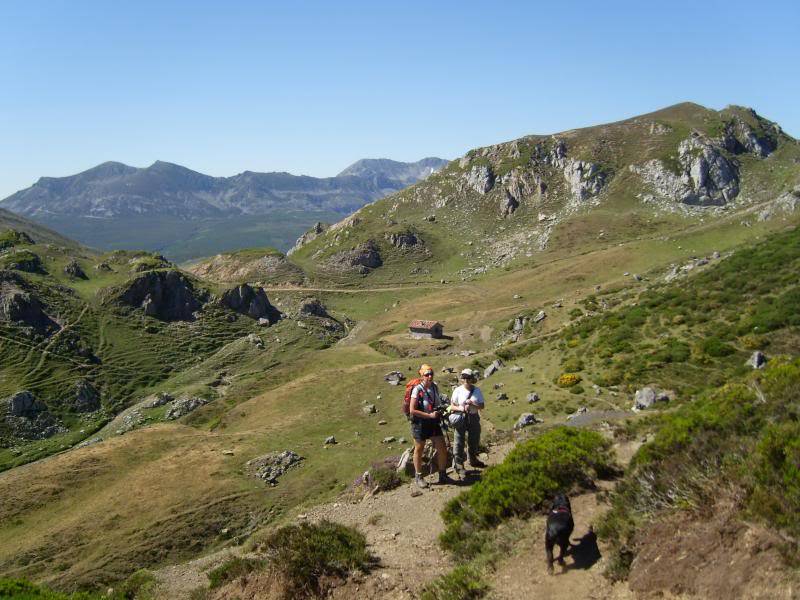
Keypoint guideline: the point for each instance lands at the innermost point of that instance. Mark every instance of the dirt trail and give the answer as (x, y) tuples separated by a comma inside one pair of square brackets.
[(523, 574), (401, 529)]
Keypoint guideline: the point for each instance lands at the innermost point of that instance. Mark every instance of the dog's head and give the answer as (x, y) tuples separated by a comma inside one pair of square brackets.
[(561, 501)]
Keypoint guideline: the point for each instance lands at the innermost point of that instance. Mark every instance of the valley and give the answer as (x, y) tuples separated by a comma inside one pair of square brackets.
[(661, 250)]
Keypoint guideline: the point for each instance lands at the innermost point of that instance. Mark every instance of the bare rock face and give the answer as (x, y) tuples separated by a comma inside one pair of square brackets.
[(311, 234), (480, 178), (705, 177), (361, 259), (166, 295), (250, 301), (585, 179), (509, 205), (20, 306), (739, 138), (404, 240), (74, 270), (24, 404)]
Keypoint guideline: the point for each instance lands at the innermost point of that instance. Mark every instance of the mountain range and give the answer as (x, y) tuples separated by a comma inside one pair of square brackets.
[(177, 211)]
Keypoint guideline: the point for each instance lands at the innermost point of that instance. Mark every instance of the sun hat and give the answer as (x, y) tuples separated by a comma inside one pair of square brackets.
[(425, 369), (467, 374)]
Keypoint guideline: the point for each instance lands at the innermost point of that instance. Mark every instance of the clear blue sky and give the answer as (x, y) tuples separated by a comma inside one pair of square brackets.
[(309, 87)]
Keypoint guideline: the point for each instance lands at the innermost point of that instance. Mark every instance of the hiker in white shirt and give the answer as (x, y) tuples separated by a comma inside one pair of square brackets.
[(468, 400)]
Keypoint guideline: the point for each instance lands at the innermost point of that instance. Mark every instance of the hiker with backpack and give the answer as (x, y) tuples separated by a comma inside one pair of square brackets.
[(425, 411), (466, 402)]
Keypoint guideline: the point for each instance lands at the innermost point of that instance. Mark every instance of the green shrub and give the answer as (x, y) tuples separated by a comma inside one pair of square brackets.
[(529, 476), (744, 436), (516, 351), (385, 477), (462, 583), (572, 364), (305, 553), (233, 569), (139, 586), (575, 313), (19, 589), (715, 347)]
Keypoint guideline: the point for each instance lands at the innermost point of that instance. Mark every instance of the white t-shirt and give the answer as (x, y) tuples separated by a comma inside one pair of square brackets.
[(460, 395)]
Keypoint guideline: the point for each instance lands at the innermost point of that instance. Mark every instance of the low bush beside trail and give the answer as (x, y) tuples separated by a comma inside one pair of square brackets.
[(738, 444), (530, 475)]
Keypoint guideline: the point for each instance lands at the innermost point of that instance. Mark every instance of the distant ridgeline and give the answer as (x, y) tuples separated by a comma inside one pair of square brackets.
[(117, 206)]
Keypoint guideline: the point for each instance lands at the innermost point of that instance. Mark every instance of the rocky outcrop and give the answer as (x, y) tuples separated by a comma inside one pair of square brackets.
[(22, 260), (271, 466), (166, 295), (312, 234), (704, 175), (508, 205), (740, 138), (480, 178), (85, 398), (311, 307), (252, 302), (648, 396), (405, 240), (73, 270), (183, 406), (585, 179), (20, 306), (361, 259), (12, 237), (27, 418), (24, 404)]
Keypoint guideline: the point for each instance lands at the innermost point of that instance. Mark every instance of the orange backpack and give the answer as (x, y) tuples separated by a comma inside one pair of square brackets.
[(407, 398)]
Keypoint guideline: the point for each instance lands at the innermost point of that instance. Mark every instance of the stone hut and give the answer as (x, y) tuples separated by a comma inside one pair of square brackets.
[(425, 329)]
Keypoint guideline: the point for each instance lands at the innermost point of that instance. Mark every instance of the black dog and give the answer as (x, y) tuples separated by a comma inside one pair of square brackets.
[(559, 529)]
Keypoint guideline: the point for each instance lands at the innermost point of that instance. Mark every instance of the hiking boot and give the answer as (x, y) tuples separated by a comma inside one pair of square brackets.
[(420, 481), (444, 479), (459, 469), (478, 464)]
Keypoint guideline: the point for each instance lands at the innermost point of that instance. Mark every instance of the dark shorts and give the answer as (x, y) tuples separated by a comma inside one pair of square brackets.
[(424, 430)]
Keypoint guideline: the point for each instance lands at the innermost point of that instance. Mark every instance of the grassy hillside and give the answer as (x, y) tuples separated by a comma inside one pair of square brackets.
[(166, 490)]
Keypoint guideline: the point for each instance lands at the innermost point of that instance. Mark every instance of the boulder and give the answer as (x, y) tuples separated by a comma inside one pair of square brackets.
[(24, 404), (515, 369), (271, 466), (183, 406), (388, 440), (509, 205), (395, 376), (648, 396), (85, 398), (492, 368), (73, 269), (533, 397), (540, 316), (330, 440), (525, 420), (757, 360), (369, 409), (159, 399), (249, 301), (311, 307), (502, 396), (361, 259), (405, 240), (405, 463), (167, 295)]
